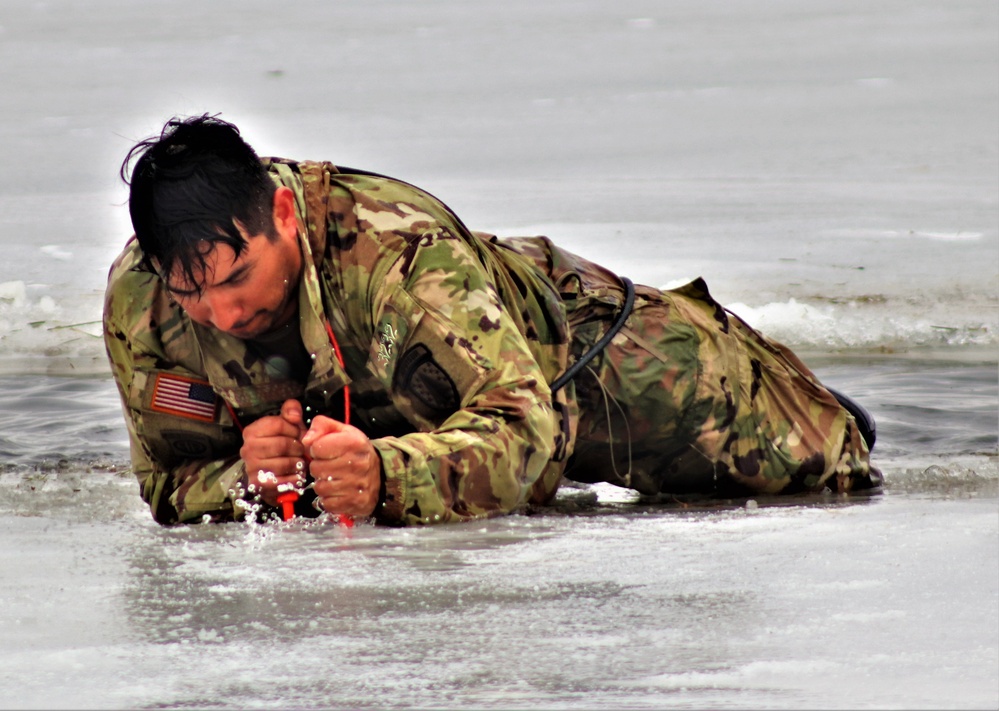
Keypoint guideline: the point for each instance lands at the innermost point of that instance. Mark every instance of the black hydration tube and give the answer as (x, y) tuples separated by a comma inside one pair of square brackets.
[(865, 421), (629, 303)]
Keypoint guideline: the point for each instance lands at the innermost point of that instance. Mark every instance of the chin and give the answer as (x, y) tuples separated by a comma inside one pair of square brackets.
[(243, 334), (257, 326)]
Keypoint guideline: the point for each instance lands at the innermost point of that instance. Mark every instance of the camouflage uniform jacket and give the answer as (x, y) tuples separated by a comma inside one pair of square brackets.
[(449, 339)]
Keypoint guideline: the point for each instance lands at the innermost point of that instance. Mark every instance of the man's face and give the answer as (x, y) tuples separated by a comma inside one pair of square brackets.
[(252, 294), (249, 295)]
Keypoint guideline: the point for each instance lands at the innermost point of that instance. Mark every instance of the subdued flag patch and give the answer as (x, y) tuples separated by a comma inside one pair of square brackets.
[(184, 397)]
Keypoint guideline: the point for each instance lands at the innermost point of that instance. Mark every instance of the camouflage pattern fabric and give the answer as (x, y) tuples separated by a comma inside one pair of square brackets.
[(687, 398), (450, 339), (449, 342)]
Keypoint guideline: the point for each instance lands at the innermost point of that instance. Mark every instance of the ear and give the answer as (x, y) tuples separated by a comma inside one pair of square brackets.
[(285, 213)]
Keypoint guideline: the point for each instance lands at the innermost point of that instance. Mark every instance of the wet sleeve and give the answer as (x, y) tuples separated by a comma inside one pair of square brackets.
[(177, 489), (455, 364)]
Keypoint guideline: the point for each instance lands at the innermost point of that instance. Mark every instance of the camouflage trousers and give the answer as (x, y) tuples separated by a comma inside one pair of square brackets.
[(687, 398)]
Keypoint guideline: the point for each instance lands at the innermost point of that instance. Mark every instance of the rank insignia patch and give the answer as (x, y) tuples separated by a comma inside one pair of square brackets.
[(184, 397)]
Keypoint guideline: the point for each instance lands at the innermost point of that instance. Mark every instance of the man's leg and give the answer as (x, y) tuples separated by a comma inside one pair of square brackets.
[(783, 432), (634, 401), (687, 398)]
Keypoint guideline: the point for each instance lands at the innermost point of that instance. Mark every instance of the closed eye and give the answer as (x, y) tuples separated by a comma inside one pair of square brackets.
[(237, 276), (183, 293)]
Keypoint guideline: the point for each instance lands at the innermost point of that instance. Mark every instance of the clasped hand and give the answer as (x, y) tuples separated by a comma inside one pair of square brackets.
[(279, 451)]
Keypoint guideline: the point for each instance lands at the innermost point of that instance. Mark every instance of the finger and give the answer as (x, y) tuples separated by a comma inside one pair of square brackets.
[(329, 486), (272, 448), (358, 503), (321, 425), (291, 411), (283, 466), (269, 478), (342, 448), (271, 426), (284, 457), (267, 485), (344, 476), (336, 483), (324, 472), (336, 440)]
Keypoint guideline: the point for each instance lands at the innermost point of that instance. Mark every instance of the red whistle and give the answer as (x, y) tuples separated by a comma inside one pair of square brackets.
[(287, 501)]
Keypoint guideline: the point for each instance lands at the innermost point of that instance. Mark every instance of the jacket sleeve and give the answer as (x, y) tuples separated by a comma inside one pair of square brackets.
[(457, 367), (188, 469)]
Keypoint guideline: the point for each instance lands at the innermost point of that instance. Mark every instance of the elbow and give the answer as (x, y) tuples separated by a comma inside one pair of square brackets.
[(163, 511), (156, 495), (539, 433)]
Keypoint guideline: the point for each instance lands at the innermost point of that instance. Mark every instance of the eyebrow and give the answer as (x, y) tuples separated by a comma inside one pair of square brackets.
[(181, 292), (236, 273)]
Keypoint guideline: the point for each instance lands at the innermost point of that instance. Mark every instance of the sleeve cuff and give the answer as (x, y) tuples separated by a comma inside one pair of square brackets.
[(391, 507)]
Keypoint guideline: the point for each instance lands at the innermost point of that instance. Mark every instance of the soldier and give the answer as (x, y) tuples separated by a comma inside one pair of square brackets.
[(292, 327)]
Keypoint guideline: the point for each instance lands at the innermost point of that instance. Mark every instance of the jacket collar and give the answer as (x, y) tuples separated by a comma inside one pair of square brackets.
[(234, 371)]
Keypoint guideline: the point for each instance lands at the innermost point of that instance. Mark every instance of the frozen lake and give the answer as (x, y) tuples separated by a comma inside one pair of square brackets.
[(888, 604), (830, 168)]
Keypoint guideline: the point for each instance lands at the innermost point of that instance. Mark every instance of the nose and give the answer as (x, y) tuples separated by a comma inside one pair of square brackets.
[(217, 309), (226, 311)]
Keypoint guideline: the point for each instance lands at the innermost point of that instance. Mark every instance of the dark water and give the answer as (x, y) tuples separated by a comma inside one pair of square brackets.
[(923, 408), (60, 422)]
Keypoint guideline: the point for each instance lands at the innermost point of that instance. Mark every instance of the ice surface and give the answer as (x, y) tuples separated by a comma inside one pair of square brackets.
[(803, 606)]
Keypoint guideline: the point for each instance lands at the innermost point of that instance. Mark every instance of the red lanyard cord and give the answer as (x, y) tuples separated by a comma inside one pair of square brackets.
[(339, 359), (345, 521)]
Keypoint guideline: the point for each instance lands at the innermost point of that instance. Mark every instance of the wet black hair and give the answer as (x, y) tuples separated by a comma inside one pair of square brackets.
[(190, 187)]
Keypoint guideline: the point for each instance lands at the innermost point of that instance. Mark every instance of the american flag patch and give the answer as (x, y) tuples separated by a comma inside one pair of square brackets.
[(177, 395)]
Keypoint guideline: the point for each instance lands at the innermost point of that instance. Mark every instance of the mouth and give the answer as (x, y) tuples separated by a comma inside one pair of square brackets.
[(246, 329)]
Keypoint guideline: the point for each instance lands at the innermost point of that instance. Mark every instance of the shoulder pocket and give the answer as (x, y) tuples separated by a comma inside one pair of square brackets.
[(180, 417), (434, 368)]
